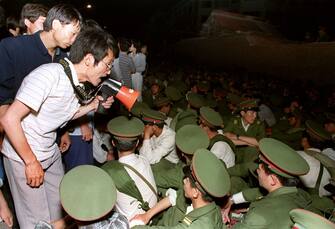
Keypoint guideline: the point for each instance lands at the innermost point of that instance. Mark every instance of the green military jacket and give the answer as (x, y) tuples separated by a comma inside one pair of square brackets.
[(255, 130), (207, 217), (273, 210), (291, 137)]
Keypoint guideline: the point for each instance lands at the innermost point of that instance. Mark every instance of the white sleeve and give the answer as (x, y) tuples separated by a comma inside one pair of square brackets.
[(37, 86), (155, 154), (238, 198), (223, 151)]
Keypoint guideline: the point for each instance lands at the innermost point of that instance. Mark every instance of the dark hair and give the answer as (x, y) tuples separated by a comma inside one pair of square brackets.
[(136, 44), (12, 22), (204, 195), (285, 181), (91, 24), (65, 13), (32, 11), (124, 44), (94, 41), (123, 144)]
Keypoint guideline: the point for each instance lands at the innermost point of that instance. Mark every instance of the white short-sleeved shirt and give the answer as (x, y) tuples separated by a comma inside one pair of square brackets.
[(223, 151), (127, 205), (310, 179), (47, 91), (163, 146)]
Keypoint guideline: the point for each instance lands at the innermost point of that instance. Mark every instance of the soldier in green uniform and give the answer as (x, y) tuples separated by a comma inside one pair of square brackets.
[(278, 170), (156, 89), (304, 219), (293, 133), (245, 131), (132, 174), (190, 115), (189, 138), (210, 121), (322, 168), (205, 179), (88, 195), (164, 105)]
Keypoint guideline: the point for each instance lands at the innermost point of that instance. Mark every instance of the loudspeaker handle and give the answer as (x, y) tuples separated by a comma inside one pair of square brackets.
[(101, 108)]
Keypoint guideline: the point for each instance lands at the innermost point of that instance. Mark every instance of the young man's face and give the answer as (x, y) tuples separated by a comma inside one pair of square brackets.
[(249, 116), (101, 69), (188, 189), (263, 177), (65, 34)]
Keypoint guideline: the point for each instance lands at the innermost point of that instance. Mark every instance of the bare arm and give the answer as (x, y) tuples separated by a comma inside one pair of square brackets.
[(241, 140), (83, 110), (11, 122), (160, 206)]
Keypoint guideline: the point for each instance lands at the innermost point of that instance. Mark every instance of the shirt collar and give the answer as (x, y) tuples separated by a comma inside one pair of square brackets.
[(74, 73)]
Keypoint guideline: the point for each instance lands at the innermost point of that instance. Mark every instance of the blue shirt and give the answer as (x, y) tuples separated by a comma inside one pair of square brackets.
[(18, 57)]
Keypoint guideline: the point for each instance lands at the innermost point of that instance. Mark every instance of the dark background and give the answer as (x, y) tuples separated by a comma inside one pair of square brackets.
[(148, 19)]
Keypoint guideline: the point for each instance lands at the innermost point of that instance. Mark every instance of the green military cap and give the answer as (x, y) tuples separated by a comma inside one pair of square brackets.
[(173, 93), (282, 159), (203, 86), (162, 101), (189, 138), (211, 117), (122, 126), (138, 108), (87, 193), (211, 102), (195, 100), (209, 173), (249, 104), (304, 219), (317, 131), (185, 118), (233, 98), (152, 116)]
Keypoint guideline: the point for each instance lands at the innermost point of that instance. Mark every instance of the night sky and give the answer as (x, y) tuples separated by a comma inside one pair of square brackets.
[(134, 18)]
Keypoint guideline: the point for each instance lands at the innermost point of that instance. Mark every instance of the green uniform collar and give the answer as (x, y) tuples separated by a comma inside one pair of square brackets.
[(282, 191), (198, 212)]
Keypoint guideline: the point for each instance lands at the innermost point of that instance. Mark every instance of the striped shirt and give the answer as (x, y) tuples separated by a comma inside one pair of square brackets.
[(127, 67), (48, 92)]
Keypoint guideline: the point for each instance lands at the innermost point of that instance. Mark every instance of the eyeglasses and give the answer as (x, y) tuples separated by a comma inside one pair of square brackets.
[(109, 66)]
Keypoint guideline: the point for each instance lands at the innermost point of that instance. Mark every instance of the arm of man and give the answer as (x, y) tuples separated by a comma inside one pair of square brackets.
[(154, 155), (11, 122), (83, 110)]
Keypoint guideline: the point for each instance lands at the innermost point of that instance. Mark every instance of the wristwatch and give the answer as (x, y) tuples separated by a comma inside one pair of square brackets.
[(237, 136)]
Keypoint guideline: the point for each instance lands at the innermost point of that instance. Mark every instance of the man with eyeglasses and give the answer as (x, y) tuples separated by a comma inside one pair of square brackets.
[(47, 99)]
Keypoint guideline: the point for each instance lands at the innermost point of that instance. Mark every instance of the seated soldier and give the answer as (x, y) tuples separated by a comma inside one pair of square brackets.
[(293, 133), (164, 105), (158, 140), (246, 131), (322, 168), (132, 174), (205, 179), (278, 170), (210, 121), (88, 196)]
